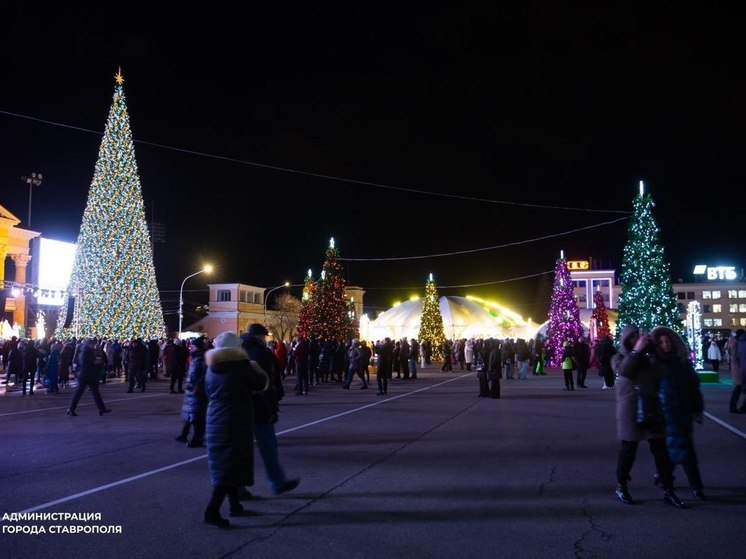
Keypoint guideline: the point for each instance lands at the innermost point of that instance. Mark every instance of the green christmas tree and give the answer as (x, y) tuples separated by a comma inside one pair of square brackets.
[(647, 297), (431, 323), (330, 311), (113, 278)]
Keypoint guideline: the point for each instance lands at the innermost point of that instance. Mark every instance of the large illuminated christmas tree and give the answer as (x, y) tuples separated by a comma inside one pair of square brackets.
[(330, 311), (113, 277), (564, 315), (600, 317), (647, 297), (305, 317), (431, 323)]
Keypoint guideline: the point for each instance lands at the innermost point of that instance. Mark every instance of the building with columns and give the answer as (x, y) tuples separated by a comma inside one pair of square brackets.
[(233, 306), (15, 255)]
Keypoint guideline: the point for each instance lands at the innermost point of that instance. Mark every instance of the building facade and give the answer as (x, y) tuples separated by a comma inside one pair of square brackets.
[(14, 246), (234, 306), (721, 294)]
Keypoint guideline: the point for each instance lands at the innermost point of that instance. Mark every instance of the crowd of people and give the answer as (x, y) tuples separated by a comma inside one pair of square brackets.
[(239, 381)]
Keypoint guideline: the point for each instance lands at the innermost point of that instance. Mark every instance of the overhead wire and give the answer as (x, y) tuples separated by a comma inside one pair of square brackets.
[(325, 176), (463, 285), (483, 249)]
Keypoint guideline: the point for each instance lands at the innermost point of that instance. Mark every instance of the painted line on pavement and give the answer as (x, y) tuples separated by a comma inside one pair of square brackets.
[(141, 396), (724, 424), (202, 457)]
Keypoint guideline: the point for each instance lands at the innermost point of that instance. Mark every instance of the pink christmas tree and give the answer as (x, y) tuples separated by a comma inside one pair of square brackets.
[(564, 315)]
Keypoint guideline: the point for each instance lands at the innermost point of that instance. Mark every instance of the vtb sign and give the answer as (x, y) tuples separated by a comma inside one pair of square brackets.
[(716, 272)]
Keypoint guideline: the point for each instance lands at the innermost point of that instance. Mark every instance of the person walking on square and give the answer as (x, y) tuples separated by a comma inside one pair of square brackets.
[(737, 347), (714, 356), (87, 374), (582, 360), (194, 409), (137, 364), (682, 403), (229, 385), (640, 374), (385, 358), (267, 409), (178, 363), (365, 354), (414, 355)]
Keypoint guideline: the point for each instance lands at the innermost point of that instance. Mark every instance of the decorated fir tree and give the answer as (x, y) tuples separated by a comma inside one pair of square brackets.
[(600, 317), (431, 323), (564, 315), (330, 311), (647, 297), (113, 277), (305, 317)]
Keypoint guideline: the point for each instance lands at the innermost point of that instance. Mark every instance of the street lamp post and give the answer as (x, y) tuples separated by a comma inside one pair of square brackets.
[(34, 179), (266, 297), (206, 269)]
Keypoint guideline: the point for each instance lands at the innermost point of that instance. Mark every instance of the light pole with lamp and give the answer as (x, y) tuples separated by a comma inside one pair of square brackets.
[(34, 179), (266, 297), (206, 269)]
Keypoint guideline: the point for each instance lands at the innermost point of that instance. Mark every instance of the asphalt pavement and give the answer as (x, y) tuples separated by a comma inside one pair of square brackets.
[(430, 470)]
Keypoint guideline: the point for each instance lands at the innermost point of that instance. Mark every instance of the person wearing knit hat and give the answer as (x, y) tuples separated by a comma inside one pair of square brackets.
[(638, 378), (229, 384), (194, 408)]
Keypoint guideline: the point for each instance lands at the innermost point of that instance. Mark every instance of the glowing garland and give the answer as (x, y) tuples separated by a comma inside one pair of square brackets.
[(647, 298), (113, 277), (431, 323), (564, 315)]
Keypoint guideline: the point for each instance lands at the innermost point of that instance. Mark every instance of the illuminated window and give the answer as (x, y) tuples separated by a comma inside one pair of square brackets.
[(732, 294), (224, 295), (706, 295), (717, 308), (717, 322), (742, 293), (707, 322), (716, 294), (743, 322), (733, 321), (741, 308), (733, 307)]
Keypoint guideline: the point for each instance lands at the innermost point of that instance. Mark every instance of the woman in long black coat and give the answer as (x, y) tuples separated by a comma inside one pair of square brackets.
[(682, 403), (194, 409), (231, 379)]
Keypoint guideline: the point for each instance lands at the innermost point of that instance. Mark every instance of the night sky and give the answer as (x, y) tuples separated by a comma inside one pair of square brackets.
[(533, 104)]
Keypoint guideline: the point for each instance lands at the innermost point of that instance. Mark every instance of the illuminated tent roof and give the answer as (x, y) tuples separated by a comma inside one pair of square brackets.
[(462, 318)]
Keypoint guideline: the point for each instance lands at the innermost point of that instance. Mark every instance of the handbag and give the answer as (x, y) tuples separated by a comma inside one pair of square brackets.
[(648, 413)]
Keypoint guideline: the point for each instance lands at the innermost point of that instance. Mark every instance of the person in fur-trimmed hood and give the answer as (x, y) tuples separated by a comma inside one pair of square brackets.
[(230, 382), (682, 402), (639, 372)]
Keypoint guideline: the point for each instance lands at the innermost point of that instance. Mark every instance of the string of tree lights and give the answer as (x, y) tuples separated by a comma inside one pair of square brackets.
[(113, 276), (564, 315), (431, 323), (646, 298), (600, 317), (325, 311)]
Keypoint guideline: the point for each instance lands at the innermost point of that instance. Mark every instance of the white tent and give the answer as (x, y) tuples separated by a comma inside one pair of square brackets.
[(462, 318)]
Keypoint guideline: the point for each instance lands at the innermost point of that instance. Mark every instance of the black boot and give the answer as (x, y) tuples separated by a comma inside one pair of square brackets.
[(623, 494), (670, 498)]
